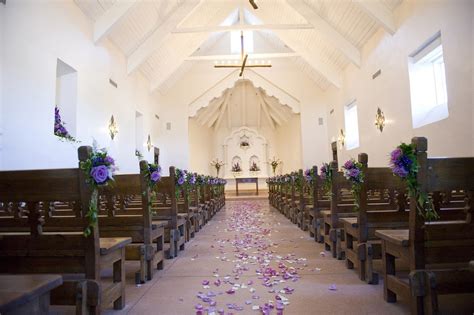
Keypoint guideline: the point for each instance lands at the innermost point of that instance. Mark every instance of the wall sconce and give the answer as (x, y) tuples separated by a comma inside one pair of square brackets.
[(148, 143), (379, 119), (341, 138), (113, 129)]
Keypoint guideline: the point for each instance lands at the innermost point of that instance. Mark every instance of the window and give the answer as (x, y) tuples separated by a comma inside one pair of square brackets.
[(352, 126), (429, 98), (65, 101), (235, 42)]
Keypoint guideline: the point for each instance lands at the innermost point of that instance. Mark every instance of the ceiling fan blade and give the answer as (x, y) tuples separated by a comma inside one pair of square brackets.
[(253, 4), (242, 68)]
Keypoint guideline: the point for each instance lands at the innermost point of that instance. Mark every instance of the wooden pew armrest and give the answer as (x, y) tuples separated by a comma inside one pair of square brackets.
[(110, 244), (398, 237)]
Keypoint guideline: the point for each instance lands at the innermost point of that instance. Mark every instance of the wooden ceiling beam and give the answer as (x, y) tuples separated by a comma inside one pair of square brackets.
[(111, 18), (243, 27)]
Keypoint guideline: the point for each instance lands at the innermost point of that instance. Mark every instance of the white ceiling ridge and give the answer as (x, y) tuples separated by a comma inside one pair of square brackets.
[(229, 81), (243, 27), (238, 57)]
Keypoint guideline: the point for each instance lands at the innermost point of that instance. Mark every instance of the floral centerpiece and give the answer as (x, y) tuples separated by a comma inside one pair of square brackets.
[(353, 172), (217, 164), (274, 163), (404, 165), (60, 129), (99, 169)]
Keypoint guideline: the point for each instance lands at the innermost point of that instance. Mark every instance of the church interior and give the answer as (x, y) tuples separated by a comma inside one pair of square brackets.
[(219, 157)]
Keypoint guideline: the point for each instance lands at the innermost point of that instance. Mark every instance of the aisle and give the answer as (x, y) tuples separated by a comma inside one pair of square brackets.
[(251, 260)]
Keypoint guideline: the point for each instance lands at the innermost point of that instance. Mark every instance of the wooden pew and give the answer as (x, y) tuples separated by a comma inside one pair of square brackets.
[(361, 228), (315, 204), (340, 206), (165, 208), (132, 217), (33, 240), (27, 294), (438, 252)]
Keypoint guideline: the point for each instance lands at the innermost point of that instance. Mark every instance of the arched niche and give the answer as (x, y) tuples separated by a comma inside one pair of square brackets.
[(256, 150)]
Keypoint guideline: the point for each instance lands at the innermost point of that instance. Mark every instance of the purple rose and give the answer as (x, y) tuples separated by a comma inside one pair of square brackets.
[(100, 174), (396, 154), (155, 176), (109, 160), (354, 172), (349, 164), (400, 171), (180, 180)]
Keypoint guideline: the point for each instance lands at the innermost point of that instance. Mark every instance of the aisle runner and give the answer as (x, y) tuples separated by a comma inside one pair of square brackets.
[(252, 253)]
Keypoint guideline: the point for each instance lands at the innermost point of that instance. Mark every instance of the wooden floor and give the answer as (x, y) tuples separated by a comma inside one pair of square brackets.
[(245, 248)]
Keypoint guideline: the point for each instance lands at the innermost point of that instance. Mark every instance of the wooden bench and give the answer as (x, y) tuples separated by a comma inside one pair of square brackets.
[(165, 208), (27, 294), (128, 214), (361, 244), (439, 252), (33, 240), (340, 206)]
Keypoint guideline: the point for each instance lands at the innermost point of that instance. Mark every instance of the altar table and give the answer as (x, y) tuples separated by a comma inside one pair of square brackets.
[(245, 180)]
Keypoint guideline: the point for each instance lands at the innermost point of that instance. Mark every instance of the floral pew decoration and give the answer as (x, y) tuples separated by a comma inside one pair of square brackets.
[(352, 171), (152, 175), (326, 177), (99, 169), (404, 165)]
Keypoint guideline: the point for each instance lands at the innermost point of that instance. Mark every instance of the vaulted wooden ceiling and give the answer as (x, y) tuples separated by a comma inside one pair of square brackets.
[(164, 38), (241, 105)]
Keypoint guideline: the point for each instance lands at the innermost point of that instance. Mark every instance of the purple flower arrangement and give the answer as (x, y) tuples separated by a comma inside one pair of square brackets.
[(99, 169), (236, 167), (59, 127), (404, 165), (180, 177), (254, 167), (153, 174), (352, 171), (403, 161), (326, 176)]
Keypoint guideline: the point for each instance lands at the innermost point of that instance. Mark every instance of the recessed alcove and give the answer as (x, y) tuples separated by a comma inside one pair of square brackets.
[(66, 98)]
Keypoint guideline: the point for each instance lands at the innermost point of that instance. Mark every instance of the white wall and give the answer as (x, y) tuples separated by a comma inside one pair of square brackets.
[(417, 21), (288, 145), (201, 149), (2, 44), (37, 33)]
